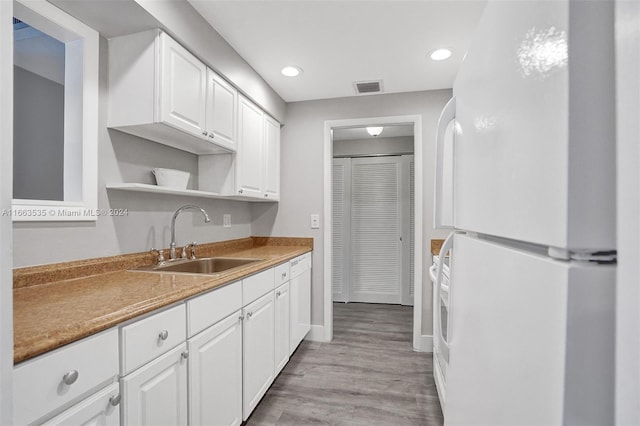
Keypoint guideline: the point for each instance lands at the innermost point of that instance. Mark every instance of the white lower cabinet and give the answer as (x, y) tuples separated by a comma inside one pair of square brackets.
[(282, 329), (215, 374), (258, 351), (47, 384), (156, 393), (100, 409), (300, 300)]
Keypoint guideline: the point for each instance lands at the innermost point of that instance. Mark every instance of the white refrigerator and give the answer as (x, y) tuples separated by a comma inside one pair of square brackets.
[(530, 321)]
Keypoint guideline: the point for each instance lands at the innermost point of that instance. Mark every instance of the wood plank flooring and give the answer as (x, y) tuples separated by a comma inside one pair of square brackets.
[(368, 375)]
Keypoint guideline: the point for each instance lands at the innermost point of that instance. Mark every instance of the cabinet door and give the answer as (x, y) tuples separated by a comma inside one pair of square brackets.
[(258, 351), (156, 394), (215, 374), (102, 408), (300, 308), (282, 322), (183, 80), (271, 173), (249, 160), (222, 99)]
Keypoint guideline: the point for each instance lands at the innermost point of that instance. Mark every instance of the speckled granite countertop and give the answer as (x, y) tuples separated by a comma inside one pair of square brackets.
[(60, 303)]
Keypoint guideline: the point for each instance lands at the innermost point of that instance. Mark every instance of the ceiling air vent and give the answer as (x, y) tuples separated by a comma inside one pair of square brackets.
[(368, 87)]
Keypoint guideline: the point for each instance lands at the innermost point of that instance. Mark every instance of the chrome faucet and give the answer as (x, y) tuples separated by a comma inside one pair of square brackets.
[(172, 245)]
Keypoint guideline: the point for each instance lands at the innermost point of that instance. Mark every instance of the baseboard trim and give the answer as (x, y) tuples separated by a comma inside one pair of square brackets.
[(316, 334), (425, 344)]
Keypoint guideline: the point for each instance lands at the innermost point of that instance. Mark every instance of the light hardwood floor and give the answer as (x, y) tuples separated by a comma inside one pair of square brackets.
[(368, 375)]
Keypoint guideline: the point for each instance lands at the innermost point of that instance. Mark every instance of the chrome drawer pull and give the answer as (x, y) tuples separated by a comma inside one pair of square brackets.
[(164, 334), (249, 314), (115, 400), (185, 355), (278, 294), (71, 377)]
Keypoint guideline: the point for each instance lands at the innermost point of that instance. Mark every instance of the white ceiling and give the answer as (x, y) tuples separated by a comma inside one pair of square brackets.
[(339, 42)]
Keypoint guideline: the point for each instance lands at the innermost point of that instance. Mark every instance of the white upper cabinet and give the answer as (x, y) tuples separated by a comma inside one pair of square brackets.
[(258, 158), (271, 172), (222, 101), (158, 91), (250, 149), (183, 80)]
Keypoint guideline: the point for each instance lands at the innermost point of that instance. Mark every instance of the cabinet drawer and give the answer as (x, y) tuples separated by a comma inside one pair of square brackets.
[(281, 273), (42, 385), (257, 285), (146, 339), (210, 308)]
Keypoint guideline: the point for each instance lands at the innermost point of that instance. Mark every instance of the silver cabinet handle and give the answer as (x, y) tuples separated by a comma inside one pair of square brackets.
[(249, 314), (115, 400), (71, 377), (205, 133), (211, 136), (240, 191), (266, 195), (241, 317), (185, 355), (164, 334), (284, 275), (278, 294)]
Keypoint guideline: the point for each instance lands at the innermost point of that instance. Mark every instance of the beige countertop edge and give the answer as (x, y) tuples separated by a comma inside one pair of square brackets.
[(85, 306)]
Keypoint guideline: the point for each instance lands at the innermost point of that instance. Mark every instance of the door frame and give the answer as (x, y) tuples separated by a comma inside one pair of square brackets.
[(415, 120), (6, 226)]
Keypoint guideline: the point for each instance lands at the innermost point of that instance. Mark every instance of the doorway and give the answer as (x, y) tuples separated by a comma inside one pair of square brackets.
[(415, 232), (373, 221)]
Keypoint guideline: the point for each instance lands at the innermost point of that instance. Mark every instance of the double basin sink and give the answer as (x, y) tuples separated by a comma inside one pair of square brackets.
[(207, 265)]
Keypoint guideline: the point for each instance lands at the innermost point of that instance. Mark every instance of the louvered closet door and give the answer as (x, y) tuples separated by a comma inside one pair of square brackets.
[(376, 230), (340, 224), (408, 237)]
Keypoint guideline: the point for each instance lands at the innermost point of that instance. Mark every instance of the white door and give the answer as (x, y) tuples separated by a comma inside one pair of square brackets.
[(100, 409), (258, 351), (341, 208), (156, 393), (376, 249), (282, 326), (530, 339), (249, 160), (271, 179), (215, 374), (534, 151), (222, 100), (183, 82)]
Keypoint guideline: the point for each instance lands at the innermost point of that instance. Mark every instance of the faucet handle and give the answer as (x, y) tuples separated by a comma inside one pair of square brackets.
[(160, 256), (192, 255), (183, 255)]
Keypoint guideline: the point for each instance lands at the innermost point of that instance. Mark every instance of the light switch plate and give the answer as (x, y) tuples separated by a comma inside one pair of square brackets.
[(226, 221), (315, 221)]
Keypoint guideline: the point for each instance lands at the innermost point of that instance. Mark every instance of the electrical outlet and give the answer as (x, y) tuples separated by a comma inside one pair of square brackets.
[(315, 221), (226, 221)]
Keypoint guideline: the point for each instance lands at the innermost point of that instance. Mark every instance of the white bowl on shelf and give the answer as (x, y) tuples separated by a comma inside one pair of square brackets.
[(171, 178)]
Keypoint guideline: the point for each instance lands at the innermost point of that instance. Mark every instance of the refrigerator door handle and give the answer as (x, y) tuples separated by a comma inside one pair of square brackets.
[(447, 116), (443, 345)]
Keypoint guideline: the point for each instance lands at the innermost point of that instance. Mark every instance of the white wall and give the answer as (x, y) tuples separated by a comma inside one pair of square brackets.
[(302, 173), (375, 146), (126, 158)]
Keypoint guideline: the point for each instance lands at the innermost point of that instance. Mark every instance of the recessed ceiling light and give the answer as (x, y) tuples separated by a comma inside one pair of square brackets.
[(375, 131), (291, 71), (440, 54)]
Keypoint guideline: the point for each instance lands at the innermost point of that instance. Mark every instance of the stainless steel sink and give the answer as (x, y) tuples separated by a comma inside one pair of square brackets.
[(207, 265)]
